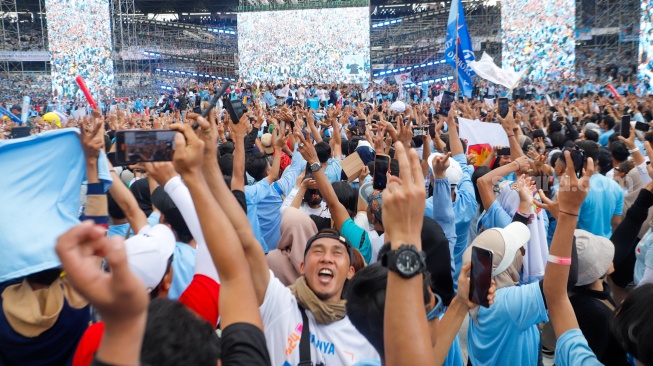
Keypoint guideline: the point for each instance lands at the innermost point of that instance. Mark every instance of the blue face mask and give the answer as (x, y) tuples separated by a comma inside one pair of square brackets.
[(260, 134)]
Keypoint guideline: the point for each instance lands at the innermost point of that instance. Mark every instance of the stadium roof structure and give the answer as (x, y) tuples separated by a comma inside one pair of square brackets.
[(195, 6)]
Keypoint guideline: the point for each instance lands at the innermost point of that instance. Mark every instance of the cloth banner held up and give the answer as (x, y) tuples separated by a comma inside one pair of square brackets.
[(486, 69), (403, 78)]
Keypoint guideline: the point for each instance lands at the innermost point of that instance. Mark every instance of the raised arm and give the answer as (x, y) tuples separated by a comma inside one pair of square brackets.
[(238, 297), (258, 266), (571, 195), (407, 340), (486, 182)]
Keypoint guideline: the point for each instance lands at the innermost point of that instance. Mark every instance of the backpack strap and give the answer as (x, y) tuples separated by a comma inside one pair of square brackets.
[(304, 341)]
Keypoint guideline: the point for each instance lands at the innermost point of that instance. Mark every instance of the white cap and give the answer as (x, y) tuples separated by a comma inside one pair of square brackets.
[(595, 255), (514, 236), (454, 171), (148, 254), (398, 107)]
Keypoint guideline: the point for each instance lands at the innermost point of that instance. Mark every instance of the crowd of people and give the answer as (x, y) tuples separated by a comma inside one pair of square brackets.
[(539, 35), (270, 48), (80, 43), (277, 229)]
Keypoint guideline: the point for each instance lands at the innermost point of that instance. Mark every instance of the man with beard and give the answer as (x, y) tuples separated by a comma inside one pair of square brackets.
[(307, 198)]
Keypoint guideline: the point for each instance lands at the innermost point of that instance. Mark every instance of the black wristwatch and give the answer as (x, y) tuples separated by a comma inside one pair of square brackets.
[(315, 167), (405, 261)]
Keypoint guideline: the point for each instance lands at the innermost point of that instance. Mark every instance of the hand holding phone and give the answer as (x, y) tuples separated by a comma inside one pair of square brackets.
[(445, 103), (144, 146), (625, 126), (381, 168), (481, 276), (503, 107)]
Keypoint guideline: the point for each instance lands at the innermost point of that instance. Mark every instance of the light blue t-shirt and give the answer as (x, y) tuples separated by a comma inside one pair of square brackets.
[(183, 269), (605, 137), (333, 170), (572, 350), (644, 256), (604, 200), (118, 230), (506, 333), (254, 194)]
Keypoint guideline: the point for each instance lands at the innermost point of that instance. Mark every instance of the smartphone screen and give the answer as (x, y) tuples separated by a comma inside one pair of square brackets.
[(641, 126), (481, 276), (381, 168), (504, 151), (144, 146), (503, 107), (625, 125), (445, 103), (418, 132), (360, 124)]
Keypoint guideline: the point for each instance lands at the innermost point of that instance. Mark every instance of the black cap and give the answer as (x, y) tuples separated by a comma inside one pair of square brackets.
[(330, 234), (162, 201), (16, 107)]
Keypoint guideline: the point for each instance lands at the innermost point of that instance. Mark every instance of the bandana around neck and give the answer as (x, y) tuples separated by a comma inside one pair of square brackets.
[(325, 313)]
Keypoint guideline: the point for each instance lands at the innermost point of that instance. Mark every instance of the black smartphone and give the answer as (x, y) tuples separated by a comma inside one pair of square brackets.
[(445, 103), (432, 130), (360, 125), (504, 151), (235, 109), (381, 168), (481, 276), (19, 131), (625, 126), (503, 107), (144, 146), (641, 126)]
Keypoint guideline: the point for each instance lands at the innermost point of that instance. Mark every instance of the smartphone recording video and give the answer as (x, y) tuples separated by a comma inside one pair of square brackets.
[(381, 168), (445, 103), (432, 130), (481, 276), (135, 147), (504, 151), (503, 107), (625, 125), (235, 109)]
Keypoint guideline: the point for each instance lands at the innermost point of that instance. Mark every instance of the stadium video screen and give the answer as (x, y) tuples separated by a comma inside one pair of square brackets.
[(540, 35), (310, 45), (80, 43), (646, 40)]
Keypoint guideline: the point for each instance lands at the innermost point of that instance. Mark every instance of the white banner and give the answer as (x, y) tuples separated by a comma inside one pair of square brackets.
[(486, 69), (476, 132), (403, 78)]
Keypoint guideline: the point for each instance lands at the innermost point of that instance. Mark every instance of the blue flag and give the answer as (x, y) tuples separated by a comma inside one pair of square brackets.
[(465, 52)]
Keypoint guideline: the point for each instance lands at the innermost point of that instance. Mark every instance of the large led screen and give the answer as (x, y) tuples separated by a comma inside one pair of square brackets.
[(540, 35), (314, 45), (646, 40), (80, 43)]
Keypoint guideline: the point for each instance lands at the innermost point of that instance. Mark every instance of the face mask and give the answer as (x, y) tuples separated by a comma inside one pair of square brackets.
[(260, 134)]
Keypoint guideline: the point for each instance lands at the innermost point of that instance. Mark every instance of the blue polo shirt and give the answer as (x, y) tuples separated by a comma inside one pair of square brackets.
[(572, 350), (604, 200)]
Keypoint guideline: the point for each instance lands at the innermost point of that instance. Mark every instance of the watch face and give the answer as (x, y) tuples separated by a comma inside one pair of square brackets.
[(408, 262)]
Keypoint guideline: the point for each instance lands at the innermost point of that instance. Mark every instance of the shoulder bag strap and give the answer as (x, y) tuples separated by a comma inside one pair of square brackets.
[(304, 342)]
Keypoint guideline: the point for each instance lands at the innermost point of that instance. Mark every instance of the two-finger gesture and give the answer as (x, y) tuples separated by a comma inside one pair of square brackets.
[(404, 199)]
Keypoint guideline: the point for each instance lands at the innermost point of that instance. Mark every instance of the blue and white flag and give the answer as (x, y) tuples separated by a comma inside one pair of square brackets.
[(457, 25)]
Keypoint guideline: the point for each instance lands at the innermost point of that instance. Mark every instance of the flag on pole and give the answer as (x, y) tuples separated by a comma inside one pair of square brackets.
[(486, 69), (403, 78), (456, 25)]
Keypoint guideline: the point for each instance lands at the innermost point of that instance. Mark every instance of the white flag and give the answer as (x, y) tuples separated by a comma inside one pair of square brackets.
[(486, 69), (403, 78), (479, 133)]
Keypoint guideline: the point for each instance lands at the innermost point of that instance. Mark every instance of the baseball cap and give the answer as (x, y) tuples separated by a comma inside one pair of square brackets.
[(595, 254), (513, 236), (148, 254), (398, 107), (454, 171), (330, 234), (266, 141), (162, 201), (16, 107), (52, 117), (374, 199)]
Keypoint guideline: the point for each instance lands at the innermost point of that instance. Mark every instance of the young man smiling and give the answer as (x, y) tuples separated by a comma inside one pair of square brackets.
[(331, 338)]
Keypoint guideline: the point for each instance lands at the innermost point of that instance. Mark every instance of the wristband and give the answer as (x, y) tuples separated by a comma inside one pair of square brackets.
[(632, 151), (565, 261), (568, 213), (518, 165), (509, 136)]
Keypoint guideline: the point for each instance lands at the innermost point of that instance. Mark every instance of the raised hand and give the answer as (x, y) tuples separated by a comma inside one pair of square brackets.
[(573, 190), (189, 149), (440, 165)]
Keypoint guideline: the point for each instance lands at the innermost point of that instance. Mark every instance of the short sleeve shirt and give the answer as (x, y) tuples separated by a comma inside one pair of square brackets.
[(358, 238), (572, 349)]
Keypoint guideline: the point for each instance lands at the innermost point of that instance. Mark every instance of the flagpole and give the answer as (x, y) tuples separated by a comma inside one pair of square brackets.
[(457, 58)]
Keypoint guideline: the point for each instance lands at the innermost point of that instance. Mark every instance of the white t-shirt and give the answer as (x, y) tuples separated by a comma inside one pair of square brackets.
[(338, 343)]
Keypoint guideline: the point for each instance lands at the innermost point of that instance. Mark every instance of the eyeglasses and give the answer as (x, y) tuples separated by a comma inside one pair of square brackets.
[(437, 310)]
